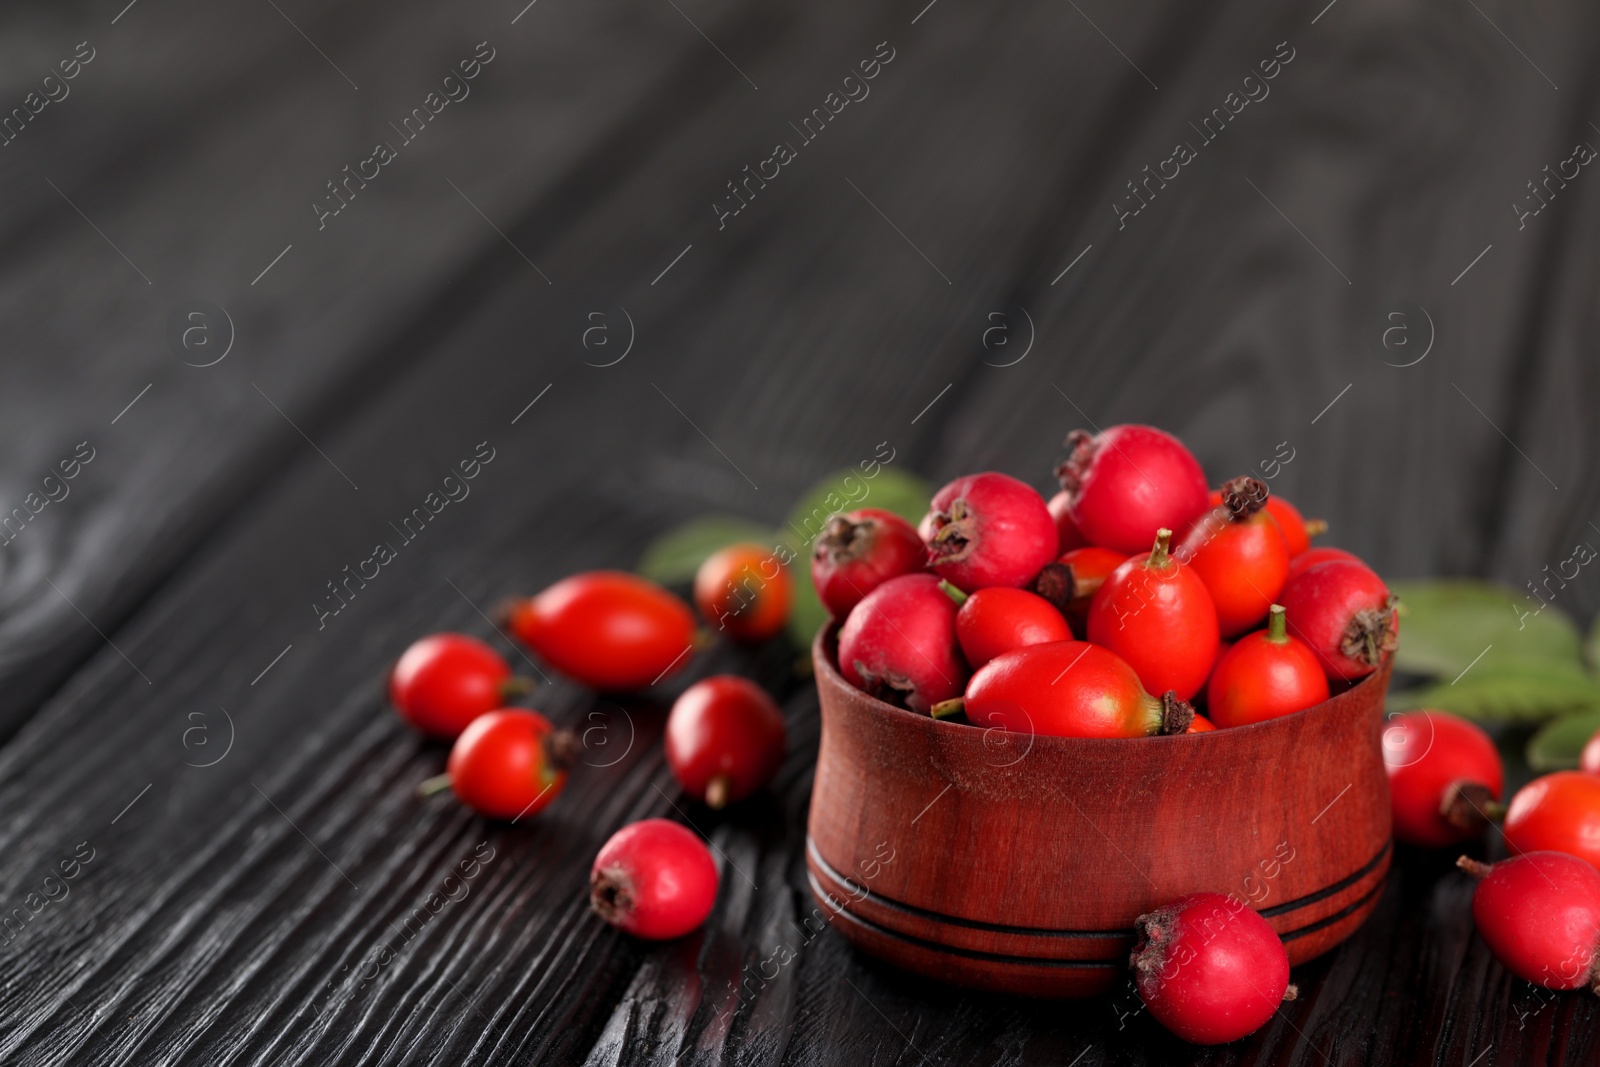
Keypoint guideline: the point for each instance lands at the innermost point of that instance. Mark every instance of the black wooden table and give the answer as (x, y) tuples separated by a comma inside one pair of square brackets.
[(271, 268)]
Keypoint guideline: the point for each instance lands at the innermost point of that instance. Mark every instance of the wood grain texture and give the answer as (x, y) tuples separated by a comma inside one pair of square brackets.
[(228, 907)]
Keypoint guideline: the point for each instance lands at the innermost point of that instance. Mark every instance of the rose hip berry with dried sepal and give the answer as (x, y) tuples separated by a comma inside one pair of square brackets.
[(724, 739), (1155, 613), (607, 629), (1345, 613), (1558, 812), (507, 764), (744, 590), (1313, 556), (444, 681), (1445, 778), (1297, 530), (1239, 552), (653, 879), (1209, 968), (899, 644), (997, 620), (1539, 913), (859, 551), (1067, 689), (988, 529), (1068, 536), (1071, 582), (1264, 675), (1129, 481)]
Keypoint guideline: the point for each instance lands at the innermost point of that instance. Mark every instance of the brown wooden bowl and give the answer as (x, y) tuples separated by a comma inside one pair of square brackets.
[(1019, 864)]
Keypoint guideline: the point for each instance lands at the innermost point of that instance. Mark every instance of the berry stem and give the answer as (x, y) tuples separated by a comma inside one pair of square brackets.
[(717, 792), (1316, 526), (1277, 625), (947, 708), (1474, 867), (561, 750), (1161, 553), (1292, 992), (952, 592), (437, 784)]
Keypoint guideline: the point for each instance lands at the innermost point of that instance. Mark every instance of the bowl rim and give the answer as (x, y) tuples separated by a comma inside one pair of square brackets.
[(824, 649)]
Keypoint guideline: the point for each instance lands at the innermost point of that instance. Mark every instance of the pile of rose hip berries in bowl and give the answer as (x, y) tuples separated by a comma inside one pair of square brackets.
[(613, 632)]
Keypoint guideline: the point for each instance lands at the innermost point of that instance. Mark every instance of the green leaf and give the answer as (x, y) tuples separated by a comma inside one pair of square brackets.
[(1524, 692), (1445, 625), (892, 490), (1558, 746), (672, 558)]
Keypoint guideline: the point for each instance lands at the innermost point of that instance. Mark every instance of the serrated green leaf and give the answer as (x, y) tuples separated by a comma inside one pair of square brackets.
[(1445, 625), (892, 490), (672, 558), (1522, 692), (1558, 746)]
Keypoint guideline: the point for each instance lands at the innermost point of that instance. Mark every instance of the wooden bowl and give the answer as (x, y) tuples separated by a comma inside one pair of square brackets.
[(1019, 864)]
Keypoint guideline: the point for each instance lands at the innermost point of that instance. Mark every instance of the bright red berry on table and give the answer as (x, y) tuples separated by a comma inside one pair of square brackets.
[(899, 644), (1264, 675), (1345, 613), (1209, 968), (1589, 761), (1539, 914), (859, 551), (654, 879), (1297, 530), (745, 591), (1068, 689), (988, 529), (1071, 582), (1445, 778), (1068, 536), (1321, 554), (1239, 553), (999, 619), (1155, 613), (1558, 812), (508, 764), (1129, 481), (444, 681), (607, 629), (724, 739)]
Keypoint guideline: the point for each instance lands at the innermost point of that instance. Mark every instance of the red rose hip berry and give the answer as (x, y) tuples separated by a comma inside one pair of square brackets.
[(1345, 613), (1239, 552), (1557, 812), (444, 681), (1071, 582), (1313, 556), (1539, 914), (1297, 530), (1445, 778), (997, 620), (859, 551), (508, 764), (744, 590), (899, 644), (988, 529), (607, 629), (653, 879), (1068, 536), (1209, 968), (724, 739), (1129, 481), (1067, 689), (1155, 613), (1264, 675)]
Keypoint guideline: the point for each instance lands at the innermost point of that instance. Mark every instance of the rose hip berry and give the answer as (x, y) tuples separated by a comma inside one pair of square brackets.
[(1313, 556), (724, 739), (508, 764), (1209, 968), (744, 590), (1297, 530), (1200, 725), (997, 620), (899, 644), (1071, 582), (1539, 914), (653, 879), (1345, 613), (1558, 812), (859, 551), (1068, 536), (1239, 552), (1155, 613), (607, 629), (988, 529), (1264, 675), (1129, 481), (1068, 689), (444, 681), (1445, 778)]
